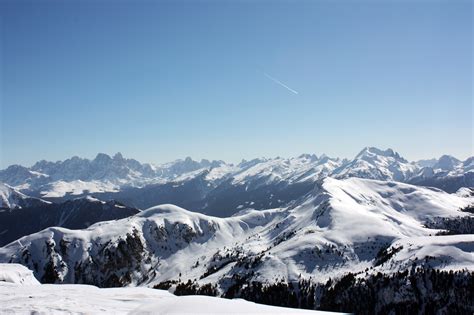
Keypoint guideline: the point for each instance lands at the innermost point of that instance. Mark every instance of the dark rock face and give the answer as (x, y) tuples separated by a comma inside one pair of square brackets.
[(114, 264)]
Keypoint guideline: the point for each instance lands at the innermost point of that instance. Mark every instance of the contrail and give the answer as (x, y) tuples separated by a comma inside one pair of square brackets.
[(280, 83)]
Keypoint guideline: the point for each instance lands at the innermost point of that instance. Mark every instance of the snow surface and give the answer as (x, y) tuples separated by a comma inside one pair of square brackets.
[(465, 192), (78, 187), (212, 305), (21, 293), (9, 198), (452, 252), (18, 274)]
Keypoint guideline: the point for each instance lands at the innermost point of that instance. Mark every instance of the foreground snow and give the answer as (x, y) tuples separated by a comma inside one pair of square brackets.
[(20, 293), (74, 298), (16, 274), (211, 305)]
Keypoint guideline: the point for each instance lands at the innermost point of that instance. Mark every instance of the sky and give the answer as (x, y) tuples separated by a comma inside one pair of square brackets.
[(161, 80)]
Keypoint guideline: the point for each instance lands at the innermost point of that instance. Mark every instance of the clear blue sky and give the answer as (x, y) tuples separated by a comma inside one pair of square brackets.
[(163, 80)]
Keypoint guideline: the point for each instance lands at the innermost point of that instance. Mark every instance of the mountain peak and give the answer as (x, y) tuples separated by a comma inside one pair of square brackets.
[(118, 156), (446, 157), (102, 157), (311, 157), (446, 162), (372, 151)]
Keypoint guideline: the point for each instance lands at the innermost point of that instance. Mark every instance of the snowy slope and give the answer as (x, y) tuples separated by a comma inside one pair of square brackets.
[(62, 188), (17, 274), (21, 293), (13, 199), (9, 198), (400, 206), (341, 226), (450, 252), (207, 304)]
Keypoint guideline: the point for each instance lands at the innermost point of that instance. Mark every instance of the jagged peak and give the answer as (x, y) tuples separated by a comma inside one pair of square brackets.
[(469, 161), (102, 157), (118, 156), (16, 167), (446, 162), (371, 151), (252, 162), (312, 157), (447, 157), (323, 158)]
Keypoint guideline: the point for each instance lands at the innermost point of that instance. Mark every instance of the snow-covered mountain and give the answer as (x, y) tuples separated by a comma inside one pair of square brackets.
[(302, 168), (222, 189), (363, 234), (447, 173), (341, 226), (74, 214), (268, 183), (377, 164), (104, 173), (12, 199), (309, 231)]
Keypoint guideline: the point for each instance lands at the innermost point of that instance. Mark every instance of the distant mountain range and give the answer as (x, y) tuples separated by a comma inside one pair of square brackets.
[(103, 172), (222, 189)]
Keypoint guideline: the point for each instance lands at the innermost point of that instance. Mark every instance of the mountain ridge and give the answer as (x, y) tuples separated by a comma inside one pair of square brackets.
[(75, 214), (214, 186), (338, 227)]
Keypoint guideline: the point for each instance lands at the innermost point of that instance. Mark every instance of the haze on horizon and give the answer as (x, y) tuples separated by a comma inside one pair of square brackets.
[(229, 80)]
